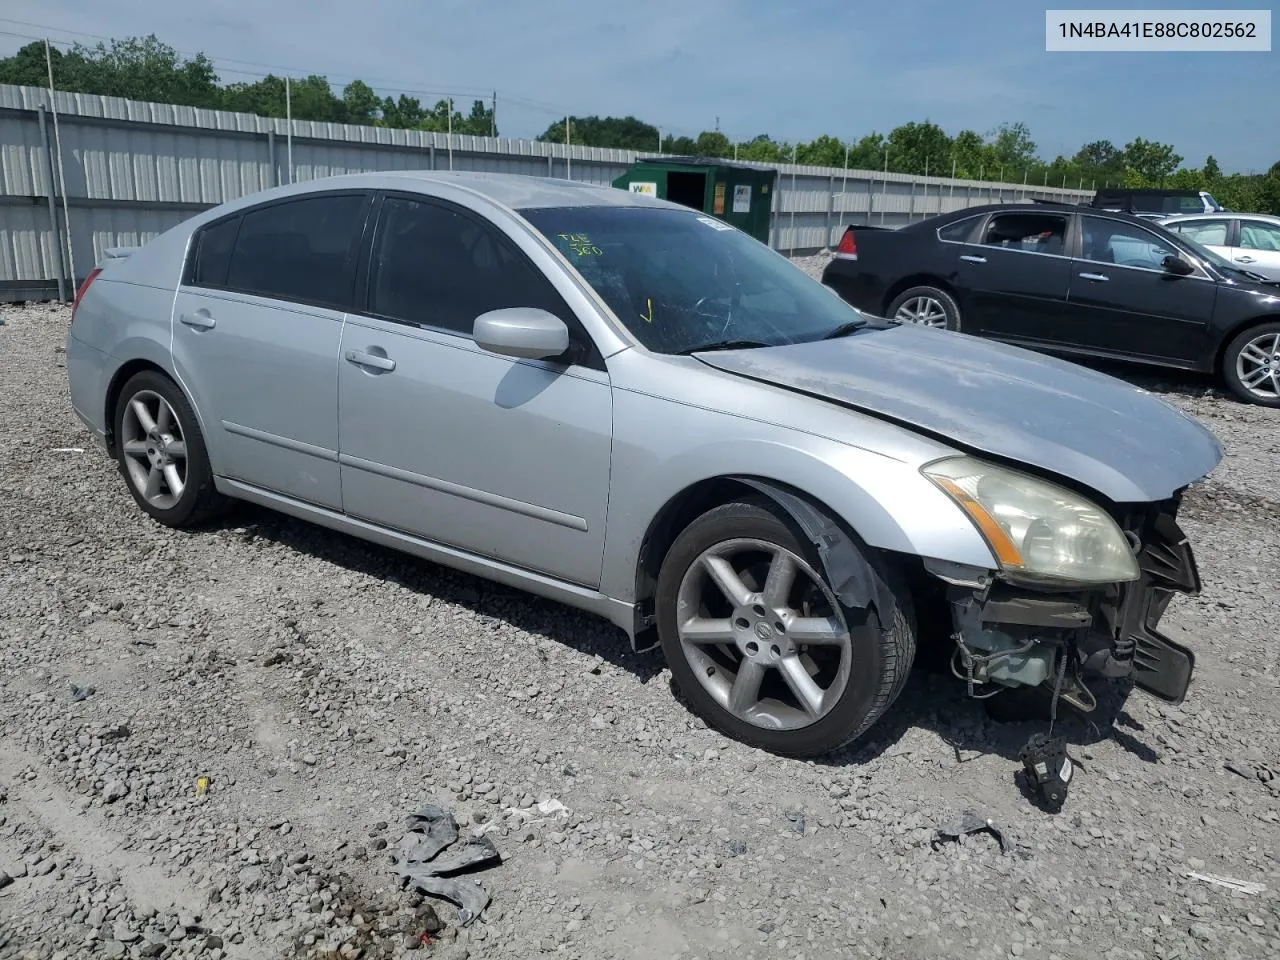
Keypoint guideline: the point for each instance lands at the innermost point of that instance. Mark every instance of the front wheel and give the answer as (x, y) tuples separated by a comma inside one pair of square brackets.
[(759, 644), (927, 306), (1251, 365)]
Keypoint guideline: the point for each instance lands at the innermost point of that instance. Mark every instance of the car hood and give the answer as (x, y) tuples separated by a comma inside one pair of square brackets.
[(1123, 442)]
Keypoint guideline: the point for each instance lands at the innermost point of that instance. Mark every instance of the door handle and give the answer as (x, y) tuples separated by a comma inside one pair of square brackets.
[(970, 258), (362, 359), (200, 320), (1245, 259), (1096, 277)]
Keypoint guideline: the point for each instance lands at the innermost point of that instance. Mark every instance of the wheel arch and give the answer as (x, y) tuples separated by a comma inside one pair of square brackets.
[(840, 546), (915, 280), (1220, 353), (115, 387)]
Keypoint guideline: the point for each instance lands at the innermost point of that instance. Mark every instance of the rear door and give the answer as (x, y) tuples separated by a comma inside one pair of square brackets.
[(258, 322), (1258, 248), (1012, 278), (500, 457), (1126, 303)]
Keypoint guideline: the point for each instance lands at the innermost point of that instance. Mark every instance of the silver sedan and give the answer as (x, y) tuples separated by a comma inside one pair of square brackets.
[(633, 408), (1247, 241)]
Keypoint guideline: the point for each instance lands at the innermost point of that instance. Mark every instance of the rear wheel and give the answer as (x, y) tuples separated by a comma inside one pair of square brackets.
[(1251, 365), (161, 452), (927, 306), (760, 645)]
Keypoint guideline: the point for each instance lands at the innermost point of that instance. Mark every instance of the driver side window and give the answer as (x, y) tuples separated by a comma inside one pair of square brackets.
[(435, 266), (1124, 244)]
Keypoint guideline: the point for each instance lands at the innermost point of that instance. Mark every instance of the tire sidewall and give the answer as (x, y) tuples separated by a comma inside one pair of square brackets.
[(199, 488), (866, 674), (1229, 363), (949, 305)]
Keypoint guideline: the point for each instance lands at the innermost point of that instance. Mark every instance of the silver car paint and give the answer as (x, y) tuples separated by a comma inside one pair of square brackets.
[(1263, 262), (1127, 444), (674, 422)]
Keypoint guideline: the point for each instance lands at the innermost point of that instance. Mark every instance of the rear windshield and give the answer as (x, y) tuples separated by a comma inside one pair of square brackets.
[(1165, 203), (678, 279)]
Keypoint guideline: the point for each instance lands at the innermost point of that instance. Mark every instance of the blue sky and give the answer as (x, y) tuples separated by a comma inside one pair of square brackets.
[(793, 69)]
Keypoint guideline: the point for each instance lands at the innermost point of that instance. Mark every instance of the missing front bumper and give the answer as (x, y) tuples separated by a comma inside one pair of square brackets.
[(1011, 636)]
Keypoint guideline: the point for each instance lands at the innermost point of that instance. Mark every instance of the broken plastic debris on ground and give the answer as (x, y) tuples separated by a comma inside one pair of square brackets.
[(422, 864)]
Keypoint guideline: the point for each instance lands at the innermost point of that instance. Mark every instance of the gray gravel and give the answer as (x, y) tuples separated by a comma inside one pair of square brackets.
[(326, 688)]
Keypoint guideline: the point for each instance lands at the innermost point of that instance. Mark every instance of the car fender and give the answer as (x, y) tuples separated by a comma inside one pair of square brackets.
[(888, 503)]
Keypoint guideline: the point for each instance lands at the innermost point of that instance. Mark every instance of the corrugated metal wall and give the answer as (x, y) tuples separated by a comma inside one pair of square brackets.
[(133, 169)]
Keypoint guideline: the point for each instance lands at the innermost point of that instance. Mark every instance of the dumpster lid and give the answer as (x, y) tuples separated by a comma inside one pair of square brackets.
[(708, 162)]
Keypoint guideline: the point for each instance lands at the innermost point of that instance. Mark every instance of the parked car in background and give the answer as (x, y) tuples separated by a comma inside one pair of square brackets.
[(1153, 202), (1071, 280), (1249, 240), (636, 409)]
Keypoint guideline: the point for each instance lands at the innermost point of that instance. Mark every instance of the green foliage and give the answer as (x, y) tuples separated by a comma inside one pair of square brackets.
[(143, 68)]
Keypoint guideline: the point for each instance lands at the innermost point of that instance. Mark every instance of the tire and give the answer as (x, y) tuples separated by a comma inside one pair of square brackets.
[(918, 303), (147, 452), (1245, 354), (873, 664)]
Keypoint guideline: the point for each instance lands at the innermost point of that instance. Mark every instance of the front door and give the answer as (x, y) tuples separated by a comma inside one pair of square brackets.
[(257, 326), (1013, 280), (500, 457), (1128, 304)]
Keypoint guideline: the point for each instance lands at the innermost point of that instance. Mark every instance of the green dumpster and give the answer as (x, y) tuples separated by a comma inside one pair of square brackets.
[(736, 193)]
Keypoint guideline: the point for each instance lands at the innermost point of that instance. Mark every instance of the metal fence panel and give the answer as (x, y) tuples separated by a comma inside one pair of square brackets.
[(135, 169)]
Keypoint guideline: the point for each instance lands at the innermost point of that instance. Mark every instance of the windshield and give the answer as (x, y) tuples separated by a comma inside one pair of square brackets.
[(681, 280)]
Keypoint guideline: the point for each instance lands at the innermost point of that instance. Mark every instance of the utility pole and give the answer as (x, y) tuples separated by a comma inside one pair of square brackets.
[(288, 113), (493, 116), (568, 160), (717, 124), (449, 128)]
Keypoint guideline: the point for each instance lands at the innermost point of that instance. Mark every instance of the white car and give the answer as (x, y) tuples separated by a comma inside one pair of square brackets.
[(1250, 241)]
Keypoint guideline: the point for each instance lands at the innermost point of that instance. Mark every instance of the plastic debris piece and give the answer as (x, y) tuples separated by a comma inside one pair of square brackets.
[(202, 786), (422, 863), (1048, 769), (1240, 886), (969, 822), (79, 693)]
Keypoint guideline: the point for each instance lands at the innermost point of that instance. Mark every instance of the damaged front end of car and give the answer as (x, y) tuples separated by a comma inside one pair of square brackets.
[(1079, 593)]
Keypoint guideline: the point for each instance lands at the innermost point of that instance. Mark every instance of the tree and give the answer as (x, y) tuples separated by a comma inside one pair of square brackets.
[(968, 152), (1211, 170), (1149, 162), (1011, 147), (825, 151), (916, 147), (764, 149), (713, 143), (623, 133), (361, 105)]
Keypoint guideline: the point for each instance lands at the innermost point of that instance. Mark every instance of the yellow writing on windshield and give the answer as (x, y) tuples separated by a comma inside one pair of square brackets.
[(580, 244)]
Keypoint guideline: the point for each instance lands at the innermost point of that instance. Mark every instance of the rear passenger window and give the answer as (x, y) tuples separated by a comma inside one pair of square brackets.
[(212, 255), (958, 232), (1030, 232), (298, 250), (434, 266)]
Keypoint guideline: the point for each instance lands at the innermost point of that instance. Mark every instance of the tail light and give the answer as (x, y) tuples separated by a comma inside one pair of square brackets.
[(848, 248), (84, 287)]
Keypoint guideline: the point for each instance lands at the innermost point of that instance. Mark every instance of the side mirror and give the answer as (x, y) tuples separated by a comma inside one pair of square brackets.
[(526, 332), (1175, 264)]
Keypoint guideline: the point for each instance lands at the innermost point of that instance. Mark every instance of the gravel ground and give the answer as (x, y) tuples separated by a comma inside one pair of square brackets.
[(326, 688)]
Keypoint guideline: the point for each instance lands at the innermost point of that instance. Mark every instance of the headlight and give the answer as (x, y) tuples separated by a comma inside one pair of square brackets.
[(1036, 529)]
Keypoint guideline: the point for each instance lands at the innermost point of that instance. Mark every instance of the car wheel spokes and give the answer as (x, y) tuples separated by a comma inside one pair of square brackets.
[(763, 634), (925, 311), (1258, 365), (155, 451)]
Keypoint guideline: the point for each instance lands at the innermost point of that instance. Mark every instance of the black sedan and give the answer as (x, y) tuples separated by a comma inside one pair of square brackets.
[(1071, 280)]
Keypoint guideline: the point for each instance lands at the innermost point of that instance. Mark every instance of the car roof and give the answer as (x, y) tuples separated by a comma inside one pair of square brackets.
[(1021, 207), (1221, 215), (517, 191)]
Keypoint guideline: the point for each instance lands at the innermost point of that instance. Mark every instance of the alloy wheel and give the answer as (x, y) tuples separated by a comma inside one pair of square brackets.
[(925, 311), (763, 634), (1258, 366), (155, 451)]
